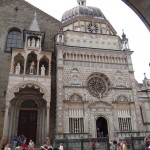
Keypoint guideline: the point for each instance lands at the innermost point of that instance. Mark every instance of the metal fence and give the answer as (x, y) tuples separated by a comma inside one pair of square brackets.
[(133, 143), (82, 144)]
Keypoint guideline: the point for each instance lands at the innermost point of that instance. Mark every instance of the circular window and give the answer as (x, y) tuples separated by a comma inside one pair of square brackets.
[(98, 84)]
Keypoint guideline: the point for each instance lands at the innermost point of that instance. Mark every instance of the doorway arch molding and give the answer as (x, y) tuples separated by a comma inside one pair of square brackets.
[(11, 92), (102, 126), (99, 116)]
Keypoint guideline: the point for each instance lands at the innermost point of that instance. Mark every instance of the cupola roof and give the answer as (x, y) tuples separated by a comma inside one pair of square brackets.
[(82, 10)]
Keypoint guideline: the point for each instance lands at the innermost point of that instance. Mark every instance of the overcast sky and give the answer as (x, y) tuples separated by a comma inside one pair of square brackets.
[(121, 17)]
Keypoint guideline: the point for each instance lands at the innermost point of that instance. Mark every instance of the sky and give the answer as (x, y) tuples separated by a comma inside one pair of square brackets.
[(121, 18)]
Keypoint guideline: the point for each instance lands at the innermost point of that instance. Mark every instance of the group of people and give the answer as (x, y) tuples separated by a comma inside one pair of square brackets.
[(121, 145), (19, 143), (114, 145), (48, 146)]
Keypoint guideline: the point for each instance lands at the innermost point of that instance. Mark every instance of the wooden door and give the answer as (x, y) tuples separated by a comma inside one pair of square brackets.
[(28, 124)]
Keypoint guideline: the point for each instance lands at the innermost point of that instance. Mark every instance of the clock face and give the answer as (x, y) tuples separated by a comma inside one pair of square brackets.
[(93, 28)]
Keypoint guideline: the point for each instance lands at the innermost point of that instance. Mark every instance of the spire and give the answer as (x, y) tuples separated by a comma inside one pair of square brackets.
[(81, 2), (34, 26)]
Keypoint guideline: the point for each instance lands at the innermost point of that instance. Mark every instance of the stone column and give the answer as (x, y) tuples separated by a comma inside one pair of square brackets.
[(25, 65), (37, 67), (49, 69), (5, 128), (47, 120)]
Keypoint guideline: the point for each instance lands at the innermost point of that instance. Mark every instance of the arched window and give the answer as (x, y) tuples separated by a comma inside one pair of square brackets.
[(14, 39)]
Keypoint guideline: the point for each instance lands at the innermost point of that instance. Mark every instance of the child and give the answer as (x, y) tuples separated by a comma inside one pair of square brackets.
[(31, 145)]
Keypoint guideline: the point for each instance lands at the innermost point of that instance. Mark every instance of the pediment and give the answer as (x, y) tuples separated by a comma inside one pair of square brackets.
[(101, 104)]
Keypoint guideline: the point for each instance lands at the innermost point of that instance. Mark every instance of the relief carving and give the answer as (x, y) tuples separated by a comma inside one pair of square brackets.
[(75, 77)]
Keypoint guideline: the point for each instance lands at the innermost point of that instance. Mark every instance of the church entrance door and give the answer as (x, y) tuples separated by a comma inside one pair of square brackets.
[(102, 127), (28, 124)]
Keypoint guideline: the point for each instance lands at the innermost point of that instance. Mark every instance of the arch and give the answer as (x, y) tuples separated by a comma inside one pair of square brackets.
[(11, 92), (31, 59), (28, 104), (44, 61), (140, 10), (36, 42), (101, 126), (122, 98), (13, 39), (64, 56), (75, 97), (25, 93)]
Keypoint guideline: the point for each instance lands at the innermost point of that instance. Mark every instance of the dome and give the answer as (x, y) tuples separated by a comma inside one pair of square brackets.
[(82, 10)]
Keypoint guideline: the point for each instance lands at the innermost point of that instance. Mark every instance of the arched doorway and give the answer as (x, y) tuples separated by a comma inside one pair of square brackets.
[(102, 127), (27, 124), (28, 114)]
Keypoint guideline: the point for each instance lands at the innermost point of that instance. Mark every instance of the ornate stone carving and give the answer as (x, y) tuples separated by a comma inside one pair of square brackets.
[(75, 97), (75, 77), (10, 93), (98, 85), (101, 104), (122, 98)]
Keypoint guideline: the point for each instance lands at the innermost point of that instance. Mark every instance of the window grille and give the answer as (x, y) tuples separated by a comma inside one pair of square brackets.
[(76, 125), (125, 124)]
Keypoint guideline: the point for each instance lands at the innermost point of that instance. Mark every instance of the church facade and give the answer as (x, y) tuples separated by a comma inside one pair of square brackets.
[(69, 79)]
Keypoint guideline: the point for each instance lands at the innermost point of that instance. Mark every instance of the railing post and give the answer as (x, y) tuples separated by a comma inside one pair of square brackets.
[(67, 144), (132, 142), (108, 145), (82, 148)]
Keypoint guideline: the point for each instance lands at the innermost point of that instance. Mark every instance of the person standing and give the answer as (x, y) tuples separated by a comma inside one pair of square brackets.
[(93, 144), (31, 145), (24, 145), (15, 140), (61, 147), (3, 143), (124, 147), (45, 146), (7, 147)]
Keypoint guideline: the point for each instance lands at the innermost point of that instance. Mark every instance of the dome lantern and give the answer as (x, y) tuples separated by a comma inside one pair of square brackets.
[(81, 2)]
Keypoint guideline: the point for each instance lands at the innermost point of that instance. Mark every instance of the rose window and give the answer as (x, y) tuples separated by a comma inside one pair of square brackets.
[(98, 85)]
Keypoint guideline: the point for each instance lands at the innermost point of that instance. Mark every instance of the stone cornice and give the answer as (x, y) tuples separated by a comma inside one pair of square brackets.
[(66, 48)]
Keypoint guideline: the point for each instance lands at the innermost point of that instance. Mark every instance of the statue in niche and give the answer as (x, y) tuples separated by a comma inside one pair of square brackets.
[(60, 38), (38, 43), (29, 42), (17, 71), (42, 70), (33, 42), (32, 68)]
